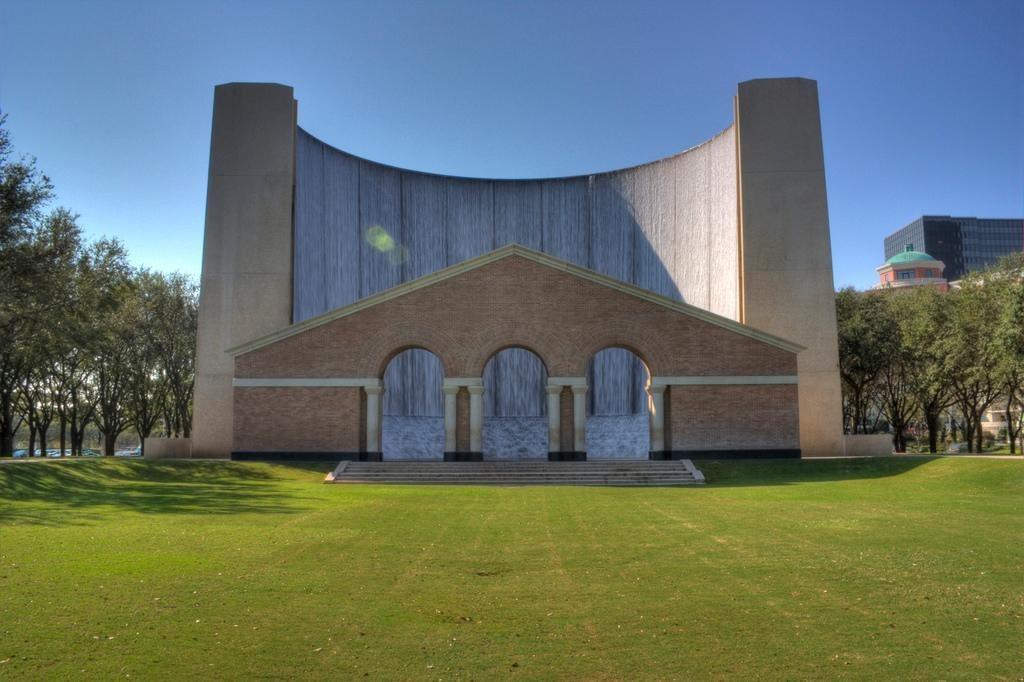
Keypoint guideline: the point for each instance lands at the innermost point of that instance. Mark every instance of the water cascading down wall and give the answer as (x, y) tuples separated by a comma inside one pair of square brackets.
[(361, 227)]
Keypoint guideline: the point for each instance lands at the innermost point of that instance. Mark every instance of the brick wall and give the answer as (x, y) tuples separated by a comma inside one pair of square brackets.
[(733, 417), (566, 424), (298, 419), (462, 420), (514, 301)]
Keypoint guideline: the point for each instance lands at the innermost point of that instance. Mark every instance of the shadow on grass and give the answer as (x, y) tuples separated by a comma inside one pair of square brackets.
[(70, 493), (762, 472)]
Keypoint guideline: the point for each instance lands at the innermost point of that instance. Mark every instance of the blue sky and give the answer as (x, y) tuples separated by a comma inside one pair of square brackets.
[(922, 102)]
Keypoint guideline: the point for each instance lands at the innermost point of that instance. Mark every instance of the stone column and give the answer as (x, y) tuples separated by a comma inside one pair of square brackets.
[(579, 418), (373, 410), (246, 285), (476, 418), (450, 394), (786, 285), (657, 394), (554, 417)]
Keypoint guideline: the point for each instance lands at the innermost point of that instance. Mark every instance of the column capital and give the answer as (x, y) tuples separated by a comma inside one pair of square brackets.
[(476, 390), (656, 389), (567, 381), (579, 390), (451, 390), (373, 390), (554, 389), (462, 381)]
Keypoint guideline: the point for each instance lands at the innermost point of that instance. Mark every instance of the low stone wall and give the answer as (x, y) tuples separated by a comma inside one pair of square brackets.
[(168, 448), (867, 444)]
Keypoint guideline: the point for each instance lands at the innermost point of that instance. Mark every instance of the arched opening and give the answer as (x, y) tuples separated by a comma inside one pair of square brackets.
[(515, 406), (618, 406), (413, 422)]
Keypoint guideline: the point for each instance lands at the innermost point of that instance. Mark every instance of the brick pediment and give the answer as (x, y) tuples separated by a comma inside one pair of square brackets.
[(516, 297)]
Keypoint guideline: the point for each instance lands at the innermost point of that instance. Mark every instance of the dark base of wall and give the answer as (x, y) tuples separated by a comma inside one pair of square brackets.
[(305, 456), (570, 456), (726, 454), (463, 456)]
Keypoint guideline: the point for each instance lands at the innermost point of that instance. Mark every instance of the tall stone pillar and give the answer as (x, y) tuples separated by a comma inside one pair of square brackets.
[(476, 418), (450, 395), (374, 409), (246, 283), (579, 418), (554, 417), (657, 394), (786, 282)]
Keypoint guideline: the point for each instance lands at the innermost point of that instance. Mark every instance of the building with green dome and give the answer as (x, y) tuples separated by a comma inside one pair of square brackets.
[(911, 268)]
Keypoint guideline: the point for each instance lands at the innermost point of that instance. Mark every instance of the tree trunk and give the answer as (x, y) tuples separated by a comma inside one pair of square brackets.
[(932, 421), (64, 434), (109, 443), (6, 425), (899, 437), (31, 440), (1011, 433), (76, 445)]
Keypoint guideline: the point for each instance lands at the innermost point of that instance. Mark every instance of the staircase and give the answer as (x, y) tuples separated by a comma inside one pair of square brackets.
[(536, 472)]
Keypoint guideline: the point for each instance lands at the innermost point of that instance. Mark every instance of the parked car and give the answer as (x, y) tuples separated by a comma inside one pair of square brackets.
[(89, 452), (129, 452), (20, 453)]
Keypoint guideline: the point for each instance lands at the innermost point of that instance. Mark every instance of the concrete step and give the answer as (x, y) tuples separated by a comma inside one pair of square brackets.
[(592, 473)]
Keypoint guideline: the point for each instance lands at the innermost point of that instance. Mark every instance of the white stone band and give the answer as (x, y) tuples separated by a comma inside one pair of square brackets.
[(567, 381), (302, 382), (724, 380)]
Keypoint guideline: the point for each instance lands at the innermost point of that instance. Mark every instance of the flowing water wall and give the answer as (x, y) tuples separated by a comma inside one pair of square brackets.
[(669, 226)]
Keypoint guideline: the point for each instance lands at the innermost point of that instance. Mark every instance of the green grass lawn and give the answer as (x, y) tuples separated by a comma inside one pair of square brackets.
[(896, 568)]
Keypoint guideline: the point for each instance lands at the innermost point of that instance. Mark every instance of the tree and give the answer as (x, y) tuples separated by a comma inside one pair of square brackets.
[(109, 282), (971, 354), (1007, 282), (867, 338), (924, 319), (145, 381), (24, 192), (174, 334), (897, 397)]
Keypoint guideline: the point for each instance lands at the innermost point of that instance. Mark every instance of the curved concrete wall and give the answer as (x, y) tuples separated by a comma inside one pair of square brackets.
[(669, 226)]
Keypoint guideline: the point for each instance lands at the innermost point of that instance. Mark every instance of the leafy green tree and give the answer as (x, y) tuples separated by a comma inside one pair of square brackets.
[(924, 319), (971, 354), (146, 382), (24, 192), (897, 395), (174, 334), (1007, 282), (867, 341), (110, 282)]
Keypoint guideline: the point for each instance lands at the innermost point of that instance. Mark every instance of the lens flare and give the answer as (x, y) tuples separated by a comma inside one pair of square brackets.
[(378, 238)]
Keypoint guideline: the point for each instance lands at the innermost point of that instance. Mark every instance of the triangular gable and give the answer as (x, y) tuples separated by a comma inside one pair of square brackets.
[(537, 257)]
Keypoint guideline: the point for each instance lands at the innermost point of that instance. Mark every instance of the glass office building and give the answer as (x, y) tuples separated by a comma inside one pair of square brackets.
[(963, 244)]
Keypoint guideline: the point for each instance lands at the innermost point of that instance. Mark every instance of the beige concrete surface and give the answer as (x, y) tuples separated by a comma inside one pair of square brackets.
[(168, 448), (867, 444), (247, 254), (787, 286)]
